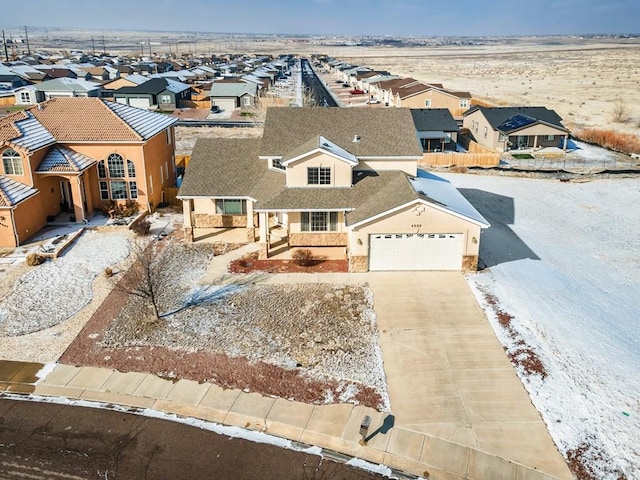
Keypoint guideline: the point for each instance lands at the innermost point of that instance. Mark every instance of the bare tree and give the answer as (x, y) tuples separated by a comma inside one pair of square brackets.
[(143, 279), (620, 111)]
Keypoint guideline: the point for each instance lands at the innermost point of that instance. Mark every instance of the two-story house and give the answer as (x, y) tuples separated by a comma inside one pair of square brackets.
[(342, 180), (77, 155)]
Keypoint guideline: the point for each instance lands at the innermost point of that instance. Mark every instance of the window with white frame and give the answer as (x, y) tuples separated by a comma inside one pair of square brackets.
[(319, 221), (318, 176), (169, 136), (247, 100), (427, 103), (12, 162), (502, 137), (226, 206), (164, 98), (464, 102), (549, 138), (485, 131), (104, 190), (25, 97), (115, 178)]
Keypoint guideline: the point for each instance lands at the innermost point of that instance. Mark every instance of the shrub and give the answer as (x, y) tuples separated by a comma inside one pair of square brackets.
[(34, 259), (621, 142), (108, 272), (142, 227), (303, 257), (119, 210)]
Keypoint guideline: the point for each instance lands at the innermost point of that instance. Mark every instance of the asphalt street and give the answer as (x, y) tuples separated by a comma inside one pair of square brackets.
[(52, 441)]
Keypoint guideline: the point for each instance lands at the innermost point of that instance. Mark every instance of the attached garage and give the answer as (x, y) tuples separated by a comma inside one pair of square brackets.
[(416, 251), (225, 104), (142, 102)]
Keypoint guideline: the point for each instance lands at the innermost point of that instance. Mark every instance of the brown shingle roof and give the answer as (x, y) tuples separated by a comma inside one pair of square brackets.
[(83, 120), (229, 167), (382, 132)]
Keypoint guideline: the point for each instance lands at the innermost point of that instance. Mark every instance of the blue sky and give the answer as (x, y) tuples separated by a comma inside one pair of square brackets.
[(372, 17)]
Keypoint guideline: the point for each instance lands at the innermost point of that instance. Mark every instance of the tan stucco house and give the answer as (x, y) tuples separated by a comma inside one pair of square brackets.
[(343, 180), (515, 128), (77, 155)]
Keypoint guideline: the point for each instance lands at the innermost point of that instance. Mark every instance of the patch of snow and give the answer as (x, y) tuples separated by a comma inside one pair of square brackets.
[(54, 291), (44, 371), (370, 467), (563, 262)]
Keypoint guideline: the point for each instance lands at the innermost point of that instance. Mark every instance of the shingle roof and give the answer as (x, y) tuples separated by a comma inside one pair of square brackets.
[(388, 132), (229, 167), (154, 86), (497, 116), (61, 159), (232, 89), (433, 119), (13, 192), (66, 84)]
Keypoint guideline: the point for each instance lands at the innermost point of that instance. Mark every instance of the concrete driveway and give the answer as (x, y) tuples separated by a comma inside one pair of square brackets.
[(449, 377)]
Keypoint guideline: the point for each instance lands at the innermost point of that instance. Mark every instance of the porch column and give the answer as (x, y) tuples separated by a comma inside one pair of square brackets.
[(250, 223), (263, 221), (76, 195), (535, 141), (187, 224), (564, 144)]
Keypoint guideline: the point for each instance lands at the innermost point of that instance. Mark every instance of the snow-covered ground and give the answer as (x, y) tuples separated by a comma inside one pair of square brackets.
[(563, 259)]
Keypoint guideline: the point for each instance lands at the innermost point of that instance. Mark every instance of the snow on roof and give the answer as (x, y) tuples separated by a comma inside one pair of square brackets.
[(443, 192), (13, 192), (33, 134), (145, 123), (67, 84), (61, 159)]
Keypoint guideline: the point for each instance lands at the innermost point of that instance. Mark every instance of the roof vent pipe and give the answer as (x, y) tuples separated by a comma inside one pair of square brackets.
[(356, 139)]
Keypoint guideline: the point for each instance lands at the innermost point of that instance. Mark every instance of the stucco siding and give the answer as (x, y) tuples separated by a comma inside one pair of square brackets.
[(340, 170)]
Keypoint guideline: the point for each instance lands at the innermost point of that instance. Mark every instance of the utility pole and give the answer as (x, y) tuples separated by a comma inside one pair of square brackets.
[(104, 49), (93, 44), (26, 37), (4, 42), (149, 48)]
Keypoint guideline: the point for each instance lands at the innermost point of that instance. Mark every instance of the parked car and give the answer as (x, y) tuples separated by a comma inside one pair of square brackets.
[(356, 91), (373, 100)]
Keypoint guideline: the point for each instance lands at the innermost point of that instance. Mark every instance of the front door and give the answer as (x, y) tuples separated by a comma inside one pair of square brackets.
[(66, 199)]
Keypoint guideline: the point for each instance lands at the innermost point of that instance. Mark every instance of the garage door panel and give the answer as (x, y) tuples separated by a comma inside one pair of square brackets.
[(411, 251)]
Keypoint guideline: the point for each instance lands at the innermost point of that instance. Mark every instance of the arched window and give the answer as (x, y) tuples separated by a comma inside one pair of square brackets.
[(115, 165), (131, 169), (12, 162), (119, 184)]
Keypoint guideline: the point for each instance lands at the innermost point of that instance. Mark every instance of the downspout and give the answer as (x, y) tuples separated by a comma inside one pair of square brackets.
[(13, 225)]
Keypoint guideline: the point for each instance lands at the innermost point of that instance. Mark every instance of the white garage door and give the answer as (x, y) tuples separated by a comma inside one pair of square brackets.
[(139, 102), (225, 104), (416, 251)]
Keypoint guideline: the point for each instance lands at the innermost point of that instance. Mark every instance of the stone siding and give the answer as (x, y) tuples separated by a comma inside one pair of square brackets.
[(201, 220), (469, 263), (317, 239), (358, 264)]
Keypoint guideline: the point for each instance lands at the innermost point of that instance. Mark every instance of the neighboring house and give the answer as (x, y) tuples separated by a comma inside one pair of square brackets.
[(58, 87), (155, 93), (384, 89), (104, 72), (11, 80), (232, 95), (508, 128), (342, 181), (431, 96), (78, 155), (125, 81), (436, 129)]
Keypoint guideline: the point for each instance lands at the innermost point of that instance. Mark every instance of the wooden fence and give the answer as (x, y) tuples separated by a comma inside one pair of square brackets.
[(476, 156)]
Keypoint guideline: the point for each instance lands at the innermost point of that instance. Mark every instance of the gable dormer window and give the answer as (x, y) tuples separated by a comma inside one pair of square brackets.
[(318, 176), (277, 164)]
